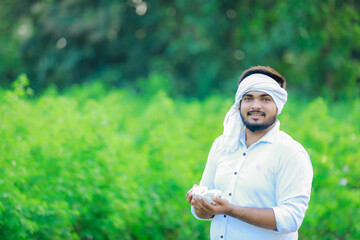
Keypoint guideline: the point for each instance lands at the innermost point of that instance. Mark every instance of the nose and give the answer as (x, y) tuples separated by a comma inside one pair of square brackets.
[(256, 104)]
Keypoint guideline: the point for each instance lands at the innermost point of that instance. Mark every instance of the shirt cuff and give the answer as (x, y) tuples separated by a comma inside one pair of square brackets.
[(283, 223), (196, 216)]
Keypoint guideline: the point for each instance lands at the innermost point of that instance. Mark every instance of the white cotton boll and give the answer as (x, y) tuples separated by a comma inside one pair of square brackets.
[(202, 191), (199, 190), (208, 195)]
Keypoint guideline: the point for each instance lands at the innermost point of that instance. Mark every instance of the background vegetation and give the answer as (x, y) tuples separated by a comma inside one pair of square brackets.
[(94, 163), (115, 105)]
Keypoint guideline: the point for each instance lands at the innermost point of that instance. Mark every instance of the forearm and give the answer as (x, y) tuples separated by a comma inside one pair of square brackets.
[(260, 217)]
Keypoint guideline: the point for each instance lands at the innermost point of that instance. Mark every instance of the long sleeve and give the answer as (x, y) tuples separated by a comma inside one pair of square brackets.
[(208, 175), (293, 187)]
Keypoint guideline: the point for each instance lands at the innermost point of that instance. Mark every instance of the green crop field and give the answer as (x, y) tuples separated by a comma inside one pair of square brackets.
[(94, 163)]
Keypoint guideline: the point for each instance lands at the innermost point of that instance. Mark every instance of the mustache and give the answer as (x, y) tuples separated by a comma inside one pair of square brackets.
[(255, 111)]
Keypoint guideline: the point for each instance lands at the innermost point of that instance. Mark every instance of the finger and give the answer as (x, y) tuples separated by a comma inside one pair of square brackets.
[(203, 206), (206, 204), (192, 202), (219, 200), (189, 195), (191, 189), (196, 202), (189, 198)]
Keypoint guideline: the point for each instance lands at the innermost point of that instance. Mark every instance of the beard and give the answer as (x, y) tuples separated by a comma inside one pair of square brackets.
[(253, 127)]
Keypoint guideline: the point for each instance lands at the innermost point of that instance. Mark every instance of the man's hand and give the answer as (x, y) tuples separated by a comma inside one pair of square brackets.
[(189, 195), (206, 210), (203, 208)]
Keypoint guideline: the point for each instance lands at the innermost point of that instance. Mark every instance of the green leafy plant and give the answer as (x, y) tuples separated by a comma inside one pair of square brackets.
[(96, 163)]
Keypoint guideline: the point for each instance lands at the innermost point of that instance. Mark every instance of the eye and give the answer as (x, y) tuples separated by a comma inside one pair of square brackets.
[(266, 99)]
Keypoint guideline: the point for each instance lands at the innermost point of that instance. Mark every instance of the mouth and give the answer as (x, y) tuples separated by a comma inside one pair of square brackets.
[(256, 114)]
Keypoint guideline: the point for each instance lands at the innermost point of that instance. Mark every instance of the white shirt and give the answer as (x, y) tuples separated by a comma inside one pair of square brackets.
[(274, 172)]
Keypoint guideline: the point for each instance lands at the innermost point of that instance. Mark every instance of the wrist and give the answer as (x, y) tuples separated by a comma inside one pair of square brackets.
[(229, 210)]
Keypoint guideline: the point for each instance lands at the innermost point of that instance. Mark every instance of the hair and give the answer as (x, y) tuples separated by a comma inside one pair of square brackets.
[(266, 70)]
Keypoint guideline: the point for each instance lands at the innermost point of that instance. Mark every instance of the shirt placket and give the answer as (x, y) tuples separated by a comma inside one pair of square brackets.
[(241, 156), (235, 173)]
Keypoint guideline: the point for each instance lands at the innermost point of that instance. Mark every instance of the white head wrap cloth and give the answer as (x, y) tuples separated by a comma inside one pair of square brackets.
[(233, 123)]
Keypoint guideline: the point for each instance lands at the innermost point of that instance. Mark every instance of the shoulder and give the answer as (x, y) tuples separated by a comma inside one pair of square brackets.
[(218, 140), (216, 150), (288, 144), (216, 146), (292, 153)]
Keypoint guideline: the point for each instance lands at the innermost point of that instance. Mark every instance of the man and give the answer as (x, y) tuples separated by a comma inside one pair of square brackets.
[(264, 175)]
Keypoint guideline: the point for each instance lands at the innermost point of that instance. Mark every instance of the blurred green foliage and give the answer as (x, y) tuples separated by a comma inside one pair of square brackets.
[(203, 45), (98, 163)]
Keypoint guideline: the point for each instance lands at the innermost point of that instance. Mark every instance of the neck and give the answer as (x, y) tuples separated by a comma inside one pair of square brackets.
[(253, 137)]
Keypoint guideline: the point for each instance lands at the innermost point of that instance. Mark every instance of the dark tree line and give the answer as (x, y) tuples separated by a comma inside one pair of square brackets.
[(202, 45)]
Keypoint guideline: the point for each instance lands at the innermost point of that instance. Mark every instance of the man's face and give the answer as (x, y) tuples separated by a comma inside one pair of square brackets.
[(258, 110)]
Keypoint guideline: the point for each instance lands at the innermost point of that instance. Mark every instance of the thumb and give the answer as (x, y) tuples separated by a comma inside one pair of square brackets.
[(218, 200)]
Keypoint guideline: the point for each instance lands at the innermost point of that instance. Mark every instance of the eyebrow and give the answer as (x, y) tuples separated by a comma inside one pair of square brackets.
[(262, 95)]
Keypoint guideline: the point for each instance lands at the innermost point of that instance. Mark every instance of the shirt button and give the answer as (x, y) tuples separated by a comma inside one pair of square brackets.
[(224, 216), (221, 236), (244, 154), (229, 194), (235, 173)]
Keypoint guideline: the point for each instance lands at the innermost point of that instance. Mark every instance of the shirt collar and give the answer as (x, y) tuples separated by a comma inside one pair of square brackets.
[(269, 137)]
